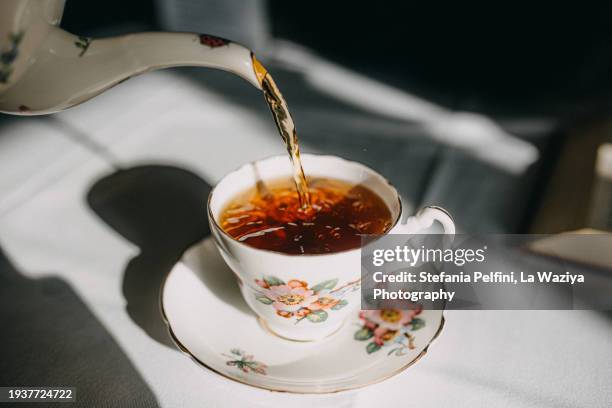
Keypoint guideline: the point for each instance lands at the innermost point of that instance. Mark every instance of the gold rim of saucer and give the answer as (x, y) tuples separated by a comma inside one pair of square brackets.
[(182, 348)]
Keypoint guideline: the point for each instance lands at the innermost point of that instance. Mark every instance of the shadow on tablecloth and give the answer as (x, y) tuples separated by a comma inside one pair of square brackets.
[(50, 338), (161, 209)]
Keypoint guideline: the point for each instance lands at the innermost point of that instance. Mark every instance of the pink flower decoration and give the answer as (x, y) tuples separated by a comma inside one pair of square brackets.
[(294, 283), (289, 298), (324, 302), (378, 335), (389, 319), (262, 283)]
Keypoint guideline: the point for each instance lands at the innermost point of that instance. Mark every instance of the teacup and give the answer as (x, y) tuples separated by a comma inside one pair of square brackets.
[(305, 297)]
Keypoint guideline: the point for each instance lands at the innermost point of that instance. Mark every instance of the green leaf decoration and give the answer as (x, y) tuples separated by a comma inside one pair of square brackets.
[(372, 347), (273, 281), (363, 334), (83, 44), (417, 323), (16, 37), (317, 316), (328, 284), (340, 304), (5, 73), (398, 351), (264, 299)]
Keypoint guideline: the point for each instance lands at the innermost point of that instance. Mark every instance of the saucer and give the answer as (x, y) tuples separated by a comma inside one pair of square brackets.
[(209, 321)]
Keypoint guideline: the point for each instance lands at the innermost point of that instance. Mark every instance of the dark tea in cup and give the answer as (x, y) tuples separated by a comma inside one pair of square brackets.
[(271, 217)]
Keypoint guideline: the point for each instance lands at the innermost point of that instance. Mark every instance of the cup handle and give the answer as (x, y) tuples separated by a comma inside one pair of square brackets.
[(425, 219)]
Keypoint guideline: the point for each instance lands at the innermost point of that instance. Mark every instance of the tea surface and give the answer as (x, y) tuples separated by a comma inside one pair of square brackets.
[(271, 217)]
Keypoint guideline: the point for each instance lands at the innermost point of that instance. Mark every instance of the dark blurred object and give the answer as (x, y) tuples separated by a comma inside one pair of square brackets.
[(497, 59), (600, 214), (245, 22), (119, 17), (240, 21), (569, 195)]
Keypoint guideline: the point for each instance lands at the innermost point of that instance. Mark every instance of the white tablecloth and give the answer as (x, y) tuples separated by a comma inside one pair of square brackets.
[(47, 227)]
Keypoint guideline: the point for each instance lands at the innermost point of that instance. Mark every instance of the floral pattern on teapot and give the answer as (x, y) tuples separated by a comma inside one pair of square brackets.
[(213, 41), (9, 55), (83, 44)]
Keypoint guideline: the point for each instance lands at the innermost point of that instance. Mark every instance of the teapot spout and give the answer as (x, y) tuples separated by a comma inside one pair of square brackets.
[(68, 70)]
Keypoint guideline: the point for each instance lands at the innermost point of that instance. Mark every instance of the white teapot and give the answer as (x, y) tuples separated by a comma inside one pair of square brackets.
[(44, 69)]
